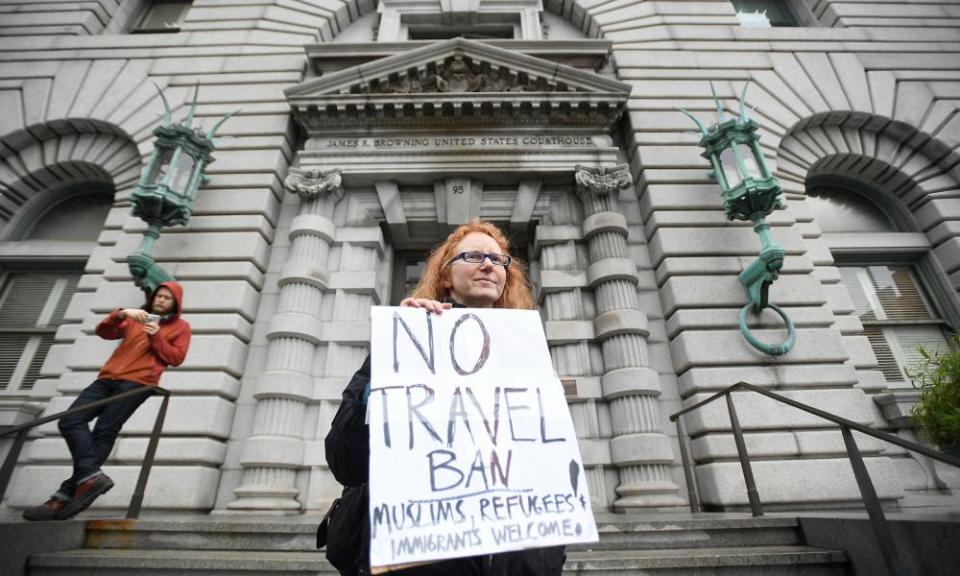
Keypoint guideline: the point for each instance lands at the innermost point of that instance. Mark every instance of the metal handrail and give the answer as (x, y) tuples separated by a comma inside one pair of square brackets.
[(872, 503), (136, 501)]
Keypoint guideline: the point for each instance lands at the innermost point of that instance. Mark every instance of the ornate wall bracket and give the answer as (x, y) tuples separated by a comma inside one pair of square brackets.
[(750, 192), (168, 186)]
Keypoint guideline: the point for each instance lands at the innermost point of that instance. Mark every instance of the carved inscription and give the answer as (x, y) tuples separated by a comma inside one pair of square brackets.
[(421, 142)]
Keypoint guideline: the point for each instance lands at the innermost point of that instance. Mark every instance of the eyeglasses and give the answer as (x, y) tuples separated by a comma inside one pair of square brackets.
[(479, 257)]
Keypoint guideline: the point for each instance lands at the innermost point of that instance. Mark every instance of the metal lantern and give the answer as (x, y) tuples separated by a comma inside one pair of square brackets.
[(750, 193), (168, 186)]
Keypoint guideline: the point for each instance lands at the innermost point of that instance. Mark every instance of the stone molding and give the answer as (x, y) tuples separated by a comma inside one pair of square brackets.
[(603, 180), (310, 184), (588, 54), (458, 82)]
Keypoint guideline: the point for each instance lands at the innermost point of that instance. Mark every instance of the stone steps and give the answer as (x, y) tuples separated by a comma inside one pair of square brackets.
[(629, 546), (731, 561), (231, 534)]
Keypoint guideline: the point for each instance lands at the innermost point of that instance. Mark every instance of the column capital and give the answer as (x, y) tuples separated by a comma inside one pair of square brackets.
[(311, 184), (602, 181)]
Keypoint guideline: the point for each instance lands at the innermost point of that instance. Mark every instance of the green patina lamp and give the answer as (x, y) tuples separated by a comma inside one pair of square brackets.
[(168, 186), (750, 193)]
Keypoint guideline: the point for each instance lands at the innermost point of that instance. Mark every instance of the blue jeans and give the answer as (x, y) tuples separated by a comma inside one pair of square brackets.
[(90, 449)]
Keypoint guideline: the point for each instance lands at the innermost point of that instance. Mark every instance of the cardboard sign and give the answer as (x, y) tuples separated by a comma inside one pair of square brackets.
[(472, 449)]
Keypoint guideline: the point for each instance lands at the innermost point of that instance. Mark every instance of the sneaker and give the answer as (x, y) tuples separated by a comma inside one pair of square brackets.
[(49, 510), (86, 492)]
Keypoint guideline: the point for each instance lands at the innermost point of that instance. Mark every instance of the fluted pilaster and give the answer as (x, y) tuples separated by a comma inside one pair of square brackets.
[(639, 449), (274, 452)]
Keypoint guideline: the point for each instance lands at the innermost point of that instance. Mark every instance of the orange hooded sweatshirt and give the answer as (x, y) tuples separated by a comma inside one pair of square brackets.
[(142, 357)]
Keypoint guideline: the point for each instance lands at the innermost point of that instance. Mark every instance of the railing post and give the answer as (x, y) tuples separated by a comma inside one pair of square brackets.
[(136, 501), (877, 519), (752, 494), (693, 491), (11, 461)]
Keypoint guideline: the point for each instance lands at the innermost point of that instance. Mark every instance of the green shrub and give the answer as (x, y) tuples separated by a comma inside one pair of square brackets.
[(937, 413)]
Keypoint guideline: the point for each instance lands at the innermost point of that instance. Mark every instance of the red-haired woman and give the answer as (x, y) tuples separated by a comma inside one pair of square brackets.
[(472, 268)]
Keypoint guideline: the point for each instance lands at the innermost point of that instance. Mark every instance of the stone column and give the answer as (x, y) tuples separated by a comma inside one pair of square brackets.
[(274, 451), (639, 449), (569, 334)]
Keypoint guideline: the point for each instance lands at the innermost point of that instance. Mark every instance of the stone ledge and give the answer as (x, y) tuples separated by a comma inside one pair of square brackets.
[(604, 222), (367, 237), (186, 416), (307, 272), (284, 384), (726, 291), (312, 225), (295, 325), (552, 281), (358, 282), (130, 451), (568, 331), (165, 490), (612, 269), (758, 412), (728, 318), (805, 481), (626, 381), (649, 448), (595, 452), (588, 388), (548, 235), (207, 353), (813, 376), (794, 444), (272, 451), (695, 348), (618, 322), (346, 332)]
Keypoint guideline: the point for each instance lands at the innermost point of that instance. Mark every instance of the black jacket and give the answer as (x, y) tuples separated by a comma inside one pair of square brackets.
[(348, 454)]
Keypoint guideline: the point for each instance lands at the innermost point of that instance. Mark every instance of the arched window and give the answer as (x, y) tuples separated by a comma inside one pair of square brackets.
[(40, 268), (886, 270), (840, 209)]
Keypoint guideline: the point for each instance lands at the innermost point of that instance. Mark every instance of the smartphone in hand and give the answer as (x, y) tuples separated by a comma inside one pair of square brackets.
[(153, 318)]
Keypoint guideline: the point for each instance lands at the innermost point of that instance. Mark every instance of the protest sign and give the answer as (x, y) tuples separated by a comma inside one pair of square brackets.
[(472, 449)]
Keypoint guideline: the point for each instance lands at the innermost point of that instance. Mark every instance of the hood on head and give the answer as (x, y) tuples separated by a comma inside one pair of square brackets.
[(176, 290)]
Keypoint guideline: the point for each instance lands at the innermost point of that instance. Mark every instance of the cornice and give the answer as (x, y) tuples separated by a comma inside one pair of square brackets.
[(462, 83), (585, 54)]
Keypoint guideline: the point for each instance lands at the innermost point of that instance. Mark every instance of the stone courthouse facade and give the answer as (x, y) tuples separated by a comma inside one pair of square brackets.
[(367, 130)]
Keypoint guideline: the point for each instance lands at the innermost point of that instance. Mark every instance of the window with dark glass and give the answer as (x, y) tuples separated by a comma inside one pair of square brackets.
[(765, 13), (486, 26), (837, 209), (163, 16), (408, 269), (481, 32)]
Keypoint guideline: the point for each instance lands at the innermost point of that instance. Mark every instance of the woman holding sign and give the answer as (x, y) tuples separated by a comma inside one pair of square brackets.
[(472, 268)]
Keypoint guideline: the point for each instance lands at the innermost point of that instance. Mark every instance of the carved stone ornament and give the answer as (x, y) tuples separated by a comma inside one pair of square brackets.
[(604, 180), (310, 184), (462, 74)]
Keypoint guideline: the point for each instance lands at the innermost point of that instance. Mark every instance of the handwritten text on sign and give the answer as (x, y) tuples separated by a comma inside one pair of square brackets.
[(472, 450)]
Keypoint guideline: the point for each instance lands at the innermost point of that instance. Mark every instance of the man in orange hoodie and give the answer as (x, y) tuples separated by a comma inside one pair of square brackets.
[(153, 337)]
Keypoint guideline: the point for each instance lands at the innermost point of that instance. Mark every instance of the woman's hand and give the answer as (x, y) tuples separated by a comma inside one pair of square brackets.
[(427, 304)]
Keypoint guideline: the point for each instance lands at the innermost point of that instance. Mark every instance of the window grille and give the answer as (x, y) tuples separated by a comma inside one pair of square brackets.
[(32, 307), (897, 317)]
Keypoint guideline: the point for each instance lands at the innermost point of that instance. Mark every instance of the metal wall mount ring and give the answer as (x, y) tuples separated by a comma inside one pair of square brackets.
[(771, 349)]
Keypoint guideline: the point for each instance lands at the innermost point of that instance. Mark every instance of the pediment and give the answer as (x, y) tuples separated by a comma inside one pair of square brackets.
[(467, 80)]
